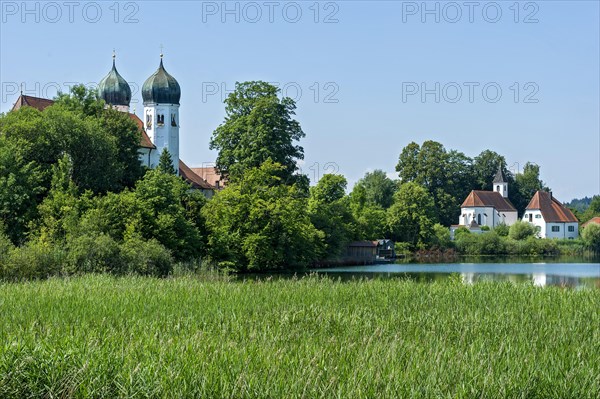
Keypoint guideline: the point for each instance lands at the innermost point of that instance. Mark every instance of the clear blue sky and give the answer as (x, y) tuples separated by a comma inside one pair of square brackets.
[(357, 69)]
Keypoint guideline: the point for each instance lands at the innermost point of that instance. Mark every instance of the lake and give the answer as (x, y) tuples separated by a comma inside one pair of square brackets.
[(541, 273)]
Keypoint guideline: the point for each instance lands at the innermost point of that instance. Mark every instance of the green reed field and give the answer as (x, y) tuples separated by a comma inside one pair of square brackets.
[(106, 337)]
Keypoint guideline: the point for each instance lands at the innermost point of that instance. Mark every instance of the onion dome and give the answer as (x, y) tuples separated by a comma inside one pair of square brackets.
[(114, 89), (161, 88)]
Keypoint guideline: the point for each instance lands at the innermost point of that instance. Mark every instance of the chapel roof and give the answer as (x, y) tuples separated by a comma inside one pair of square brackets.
[(480, 198)]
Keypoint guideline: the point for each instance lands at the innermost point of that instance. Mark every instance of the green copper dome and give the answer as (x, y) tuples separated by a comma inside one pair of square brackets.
[(114, 89), (161, 88)]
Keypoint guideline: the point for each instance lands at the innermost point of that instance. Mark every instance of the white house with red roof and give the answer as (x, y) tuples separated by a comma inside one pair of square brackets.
[(553, 219), (487, 208)]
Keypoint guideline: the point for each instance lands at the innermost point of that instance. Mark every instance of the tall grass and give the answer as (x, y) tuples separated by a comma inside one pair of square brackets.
[(100, 336)]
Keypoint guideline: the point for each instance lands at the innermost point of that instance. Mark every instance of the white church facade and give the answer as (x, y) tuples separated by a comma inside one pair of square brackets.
[(487, 208)]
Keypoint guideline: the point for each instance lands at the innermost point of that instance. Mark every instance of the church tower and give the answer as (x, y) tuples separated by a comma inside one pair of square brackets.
[(115, 90), (161, 94), (500, 184)]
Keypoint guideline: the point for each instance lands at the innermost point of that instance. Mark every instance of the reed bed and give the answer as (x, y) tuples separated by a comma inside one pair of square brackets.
[(135, 337)]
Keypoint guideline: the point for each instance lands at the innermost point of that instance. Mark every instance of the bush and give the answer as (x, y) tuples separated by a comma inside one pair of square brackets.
[(521, 230), (35, 260), (147, 257), (99, 254), (402, 248), (441, 237), (591, 236), (6, 246), (502, 230), (461, 231)]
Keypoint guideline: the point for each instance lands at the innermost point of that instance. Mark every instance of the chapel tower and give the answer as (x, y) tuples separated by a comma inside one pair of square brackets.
[(500, 184)]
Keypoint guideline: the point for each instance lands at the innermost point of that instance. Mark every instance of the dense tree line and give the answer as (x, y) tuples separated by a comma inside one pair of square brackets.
[(74, 198)]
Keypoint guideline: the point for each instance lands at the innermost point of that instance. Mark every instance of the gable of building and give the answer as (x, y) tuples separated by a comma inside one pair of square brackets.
[(491, 199), (553, 211)]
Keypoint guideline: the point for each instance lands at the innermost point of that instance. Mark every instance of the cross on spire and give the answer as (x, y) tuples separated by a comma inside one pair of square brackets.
[(161, 51)]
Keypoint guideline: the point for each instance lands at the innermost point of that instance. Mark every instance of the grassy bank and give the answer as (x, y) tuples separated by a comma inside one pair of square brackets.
[(99, 336)]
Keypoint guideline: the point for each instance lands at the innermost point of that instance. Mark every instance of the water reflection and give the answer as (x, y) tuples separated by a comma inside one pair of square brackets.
[(575, 275)]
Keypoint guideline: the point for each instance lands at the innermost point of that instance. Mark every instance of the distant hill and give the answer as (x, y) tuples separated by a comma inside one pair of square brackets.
[(580, 204)]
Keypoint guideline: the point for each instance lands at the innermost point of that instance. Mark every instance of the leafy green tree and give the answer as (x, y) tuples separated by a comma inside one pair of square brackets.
[(412, 215), (61, 209), (485, 166), (20, 188), (258, 126), (102, 144), (329, 210), (525, 186), (444, 174), (370, 220), (591, 236), (165, 162), (441, 237), (260, 223), (379, 189), (592, 210)]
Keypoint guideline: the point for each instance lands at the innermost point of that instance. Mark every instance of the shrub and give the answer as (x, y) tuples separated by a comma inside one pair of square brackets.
[(502, 230), (94, 254), (147, 257), (461, 231), (402, 248), (441, 237), (521, 230), (34, 260), (6, 246), (591, 236)]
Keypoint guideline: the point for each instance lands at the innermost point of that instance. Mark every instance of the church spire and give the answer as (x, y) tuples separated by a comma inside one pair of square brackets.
[(499, 183)]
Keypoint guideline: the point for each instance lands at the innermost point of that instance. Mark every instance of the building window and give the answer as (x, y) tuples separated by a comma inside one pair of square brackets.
[(498, 188), (173, 123), (479, 219), (160, 120), (571, 229), (148, 121), (538, 216), (555, 229)]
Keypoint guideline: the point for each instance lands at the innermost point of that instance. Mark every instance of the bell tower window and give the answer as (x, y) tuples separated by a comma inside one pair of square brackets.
[(173, 122), (160, 120)]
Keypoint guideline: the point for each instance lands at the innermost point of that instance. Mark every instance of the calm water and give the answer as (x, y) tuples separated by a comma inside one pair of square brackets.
[(539, 273)]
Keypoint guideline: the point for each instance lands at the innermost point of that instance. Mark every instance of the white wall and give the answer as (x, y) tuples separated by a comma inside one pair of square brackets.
[(492, 219), (144, 156), (546, 228), (163, 136)]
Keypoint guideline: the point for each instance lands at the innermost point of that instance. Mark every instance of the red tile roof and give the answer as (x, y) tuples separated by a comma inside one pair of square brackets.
[(488, 199), (552, 210), (145, 140), (35, 102), (594, 220), (192, 178)]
